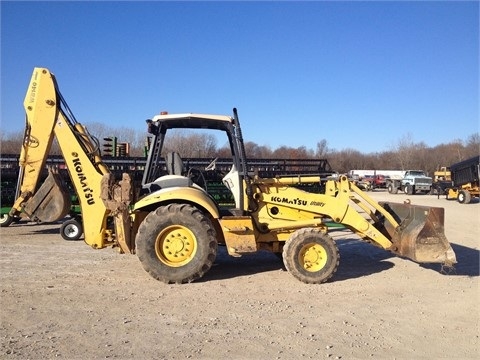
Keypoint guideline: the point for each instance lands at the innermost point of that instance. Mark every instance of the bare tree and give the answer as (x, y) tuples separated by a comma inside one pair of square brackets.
[(472, 146), (191, 144), (265, 152), (405, 151), (99, 130), (345, 160), (444, 155), (252, 150), (406, 154), (224, 152), (11, 143), (322, 149)]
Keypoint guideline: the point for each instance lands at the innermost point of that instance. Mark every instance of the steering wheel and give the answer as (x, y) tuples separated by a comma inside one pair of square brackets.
[(197, 177)]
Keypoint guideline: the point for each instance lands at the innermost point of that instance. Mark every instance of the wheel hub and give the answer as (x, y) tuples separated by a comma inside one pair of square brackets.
[(176, 245), (313, 257), (71, 230)]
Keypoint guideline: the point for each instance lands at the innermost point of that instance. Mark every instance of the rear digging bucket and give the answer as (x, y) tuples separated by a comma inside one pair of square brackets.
[(51, 202), (420, 236)]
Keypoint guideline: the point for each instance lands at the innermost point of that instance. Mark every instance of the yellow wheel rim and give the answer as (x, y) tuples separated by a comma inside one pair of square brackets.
[(313, 257), (176, 245)]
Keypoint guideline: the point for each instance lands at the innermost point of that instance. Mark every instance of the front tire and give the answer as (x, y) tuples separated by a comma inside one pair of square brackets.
[(409, 189), (464, 197), (311, 256), (71, 230), (176, 243), (6, 220)]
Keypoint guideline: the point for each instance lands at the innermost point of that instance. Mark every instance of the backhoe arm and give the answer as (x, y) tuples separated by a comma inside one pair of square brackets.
[(38, 137), (48, 117)]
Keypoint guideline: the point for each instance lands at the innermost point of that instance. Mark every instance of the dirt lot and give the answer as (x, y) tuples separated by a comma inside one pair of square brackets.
[(62, 299)]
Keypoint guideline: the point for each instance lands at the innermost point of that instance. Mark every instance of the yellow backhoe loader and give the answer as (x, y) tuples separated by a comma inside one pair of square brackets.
[(175, 226)]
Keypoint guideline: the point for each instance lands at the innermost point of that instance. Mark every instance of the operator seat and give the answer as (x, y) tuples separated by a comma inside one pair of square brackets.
[(174, 178), (174, 163)]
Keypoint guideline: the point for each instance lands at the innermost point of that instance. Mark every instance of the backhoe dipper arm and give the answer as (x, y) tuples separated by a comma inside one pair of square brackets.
[(48, 116), (40, 120)]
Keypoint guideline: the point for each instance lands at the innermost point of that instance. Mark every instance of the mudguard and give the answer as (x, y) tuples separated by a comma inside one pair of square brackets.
[(190, 195)]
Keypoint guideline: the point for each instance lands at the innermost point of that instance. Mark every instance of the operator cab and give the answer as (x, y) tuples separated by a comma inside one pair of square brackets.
[(169, 170)]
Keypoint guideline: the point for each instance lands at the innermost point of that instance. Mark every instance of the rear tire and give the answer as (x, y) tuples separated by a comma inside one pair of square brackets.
[(392, 189), (311, 256), (6, 220), (176, 243), (464, 197), (71, 230)]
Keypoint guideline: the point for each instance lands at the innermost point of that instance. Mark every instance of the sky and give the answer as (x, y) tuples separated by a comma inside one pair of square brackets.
[(361, 75)]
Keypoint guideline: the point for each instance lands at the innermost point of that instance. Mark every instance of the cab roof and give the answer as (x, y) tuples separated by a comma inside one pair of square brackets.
[(194, 121)]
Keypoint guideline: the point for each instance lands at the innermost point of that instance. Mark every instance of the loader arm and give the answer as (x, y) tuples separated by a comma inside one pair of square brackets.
[(48, 117), (412, 231)]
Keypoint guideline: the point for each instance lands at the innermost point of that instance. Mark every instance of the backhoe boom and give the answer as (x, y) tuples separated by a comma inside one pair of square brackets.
[(48, 117)]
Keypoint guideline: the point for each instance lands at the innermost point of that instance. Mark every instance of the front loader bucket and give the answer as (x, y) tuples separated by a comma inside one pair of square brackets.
[(51, 202), (420, 236)]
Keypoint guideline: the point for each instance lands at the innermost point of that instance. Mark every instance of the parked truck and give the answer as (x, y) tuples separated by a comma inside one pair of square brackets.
[(175, 227), (465, 180), (442, 180), (412, 182)]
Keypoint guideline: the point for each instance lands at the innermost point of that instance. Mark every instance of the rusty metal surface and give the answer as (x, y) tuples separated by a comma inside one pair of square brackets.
[(421, 234)]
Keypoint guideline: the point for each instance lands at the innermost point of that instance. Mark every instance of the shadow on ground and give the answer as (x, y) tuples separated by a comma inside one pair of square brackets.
[(468, 262), (357, 259), (52, 230), (227, 267)]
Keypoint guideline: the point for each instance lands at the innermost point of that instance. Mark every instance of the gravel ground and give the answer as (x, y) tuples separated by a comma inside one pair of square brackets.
[(62, 299)]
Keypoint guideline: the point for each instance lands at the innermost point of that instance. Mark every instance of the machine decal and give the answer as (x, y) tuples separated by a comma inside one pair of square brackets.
[(83, 179), (295, 201), (33, 92), (284, 200)]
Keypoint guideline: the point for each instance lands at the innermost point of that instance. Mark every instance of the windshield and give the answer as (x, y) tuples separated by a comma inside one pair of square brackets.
[(417, 173)]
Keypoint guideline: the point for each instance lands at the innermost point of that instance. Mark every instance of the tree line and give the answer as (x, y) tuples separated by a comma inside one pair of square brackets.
[(404, 154)]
